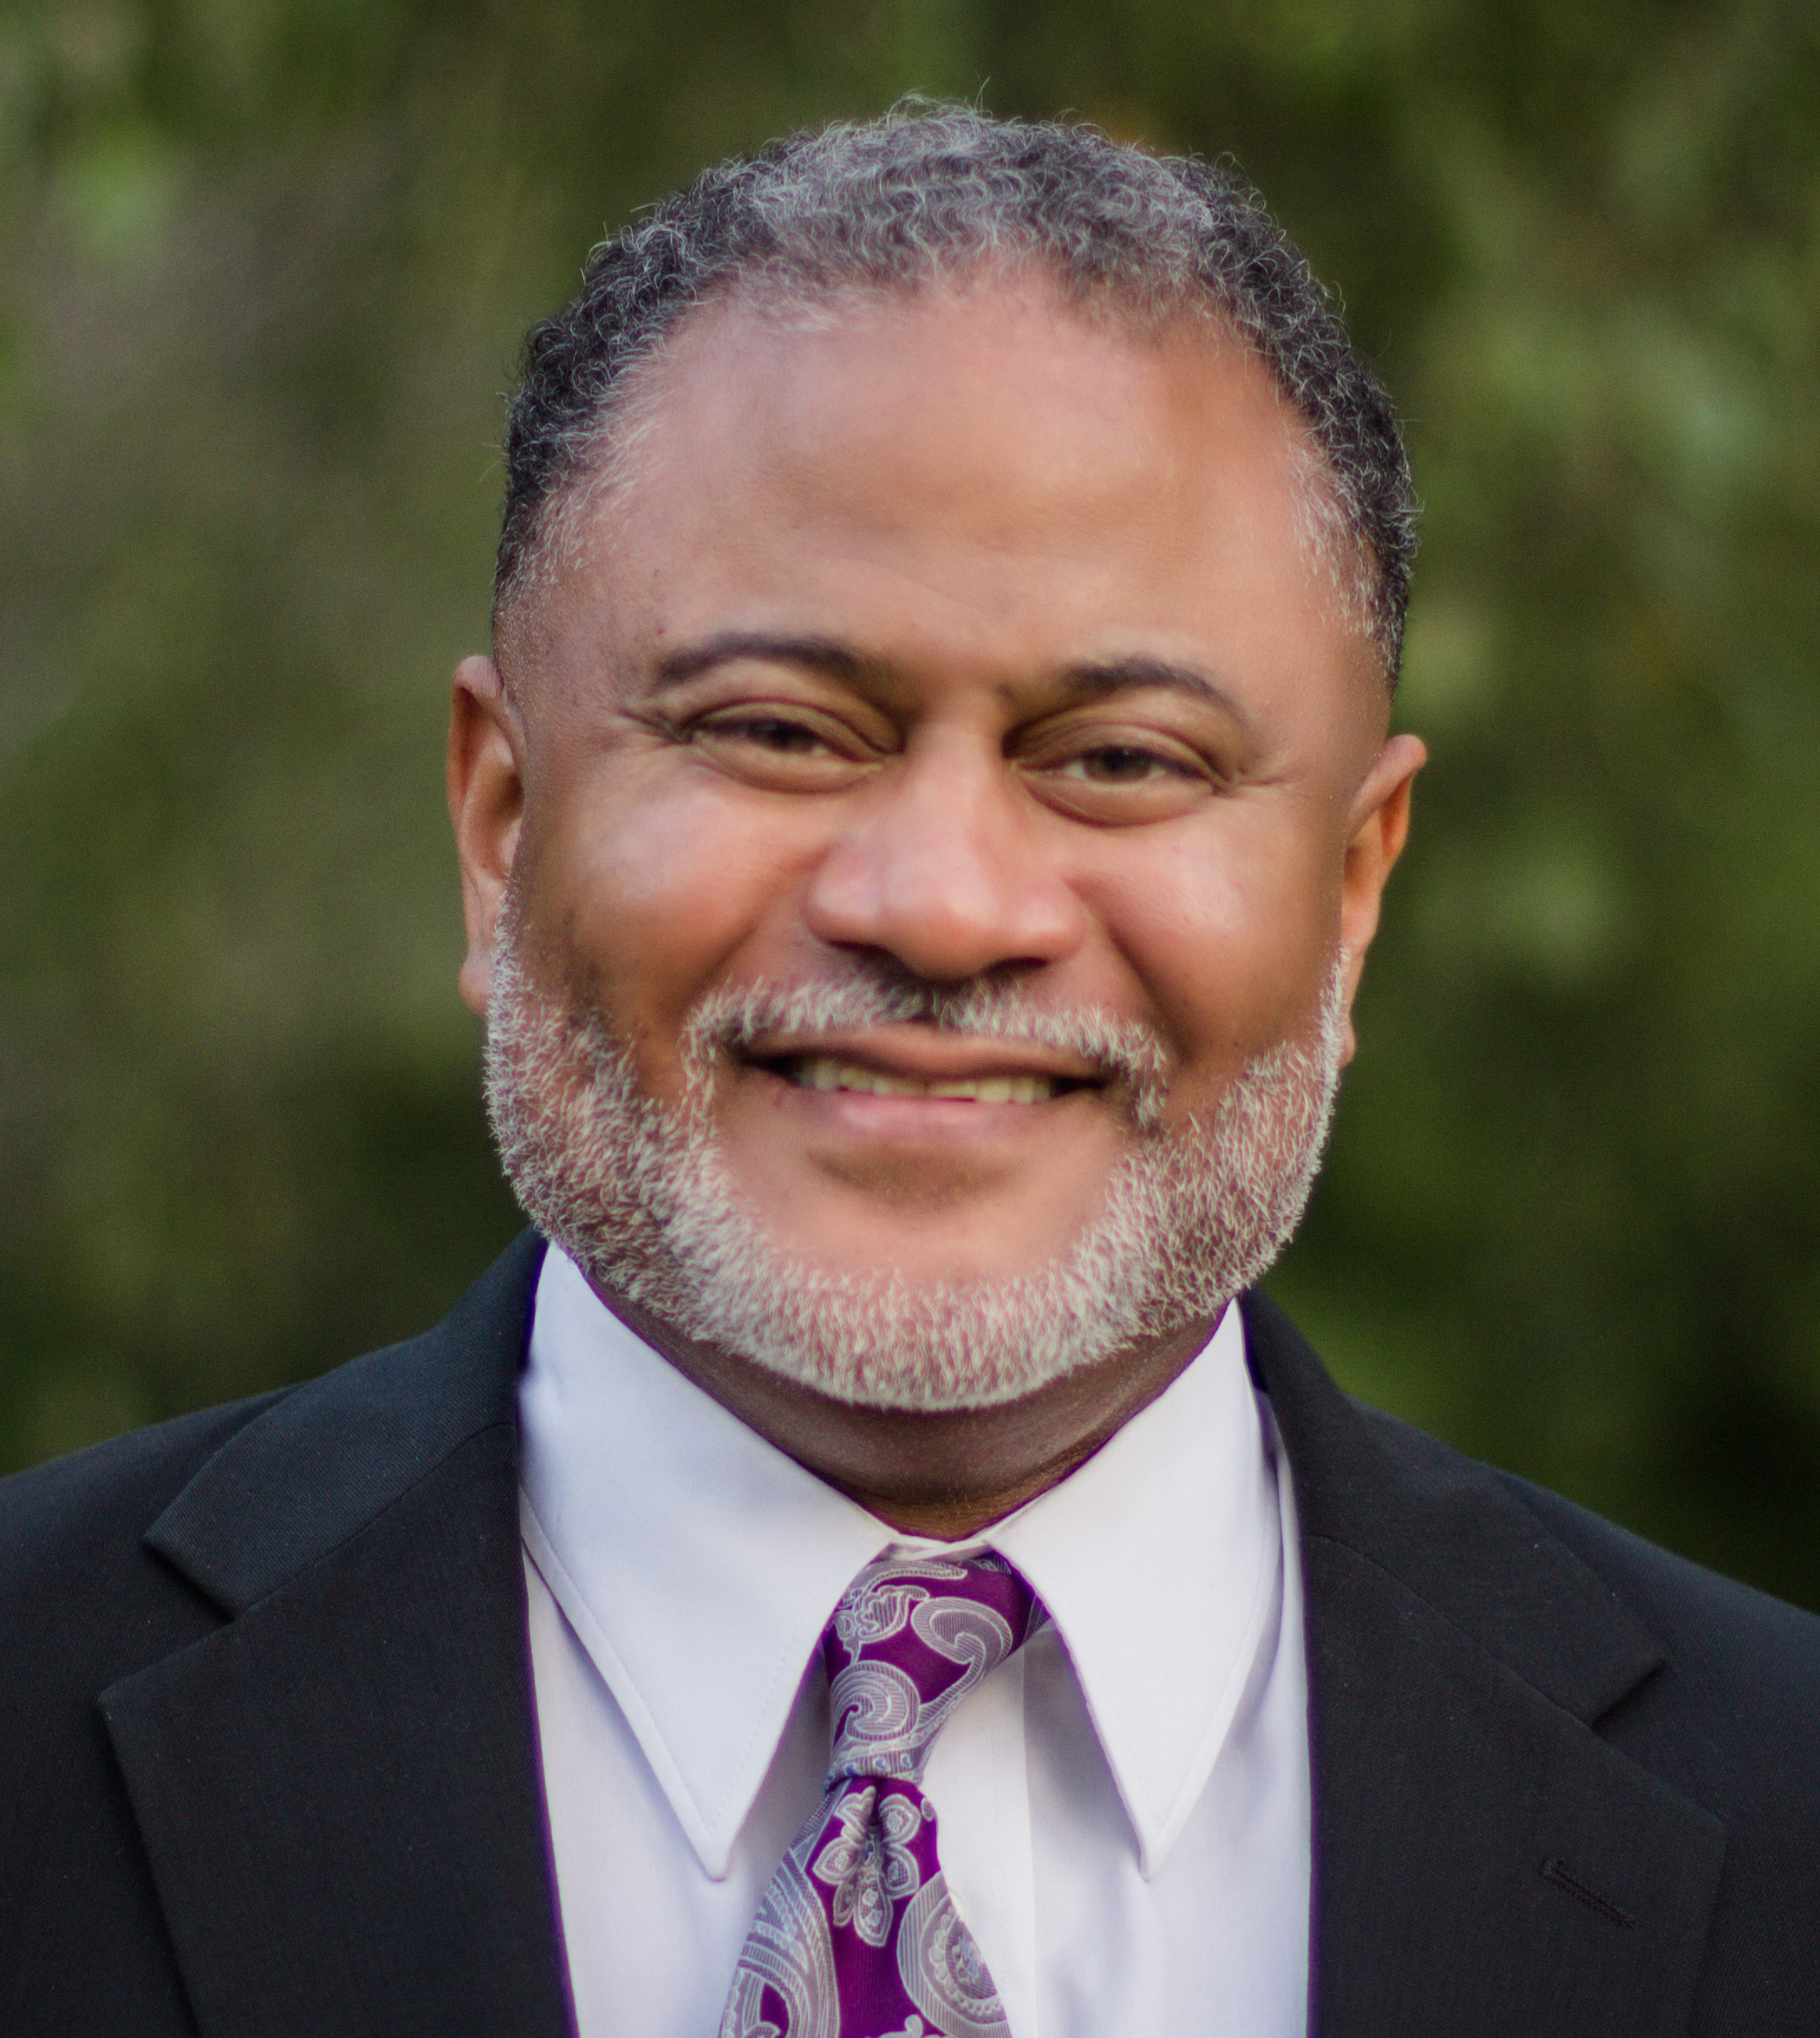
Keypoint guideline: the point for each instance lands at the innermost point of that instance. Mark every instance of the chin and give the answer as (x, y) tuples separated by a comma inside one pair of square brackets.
[(975, 1243)]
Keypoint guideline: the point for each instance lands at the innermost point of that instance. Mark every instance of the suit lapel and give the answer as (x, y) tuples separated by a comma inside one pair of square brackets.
[(1485, 1863), (338, 1788)]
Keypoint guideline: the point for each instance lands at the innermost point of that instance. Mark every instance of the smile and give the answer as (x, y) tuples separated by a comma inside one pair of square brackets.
[(827, 1072)]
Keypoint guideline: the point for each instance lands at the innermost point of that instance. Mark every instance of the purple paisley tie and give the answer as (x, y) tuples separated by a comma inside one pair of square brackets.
[(857, 1936)]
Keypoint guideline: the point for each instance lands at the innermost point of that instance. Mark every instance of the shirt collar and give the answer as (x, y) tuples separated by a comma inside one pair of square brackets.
[(1159, 1559), (698, 1564)]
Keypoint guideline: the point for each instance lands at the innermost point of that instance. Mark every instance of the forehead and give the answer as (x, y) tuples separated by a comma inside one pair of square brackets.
[(978, 470)]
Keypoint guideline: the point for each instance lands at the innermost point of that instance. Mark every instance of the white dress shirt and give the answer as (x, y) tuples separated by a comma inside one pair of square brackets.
[(1124, 1804)]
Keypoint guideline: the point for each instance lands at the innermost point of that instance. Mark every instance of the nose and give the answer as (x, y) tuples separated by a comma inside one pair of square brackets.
[(943, 868)]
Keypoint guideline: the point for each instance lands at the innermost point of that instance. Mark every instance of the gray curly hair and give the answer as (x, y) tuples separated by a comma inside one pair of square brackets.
[(929, 192)]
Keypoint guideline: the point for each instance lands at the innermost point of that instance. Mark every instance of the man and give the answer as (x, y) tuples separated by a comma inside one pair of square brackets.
[(881, 1567)]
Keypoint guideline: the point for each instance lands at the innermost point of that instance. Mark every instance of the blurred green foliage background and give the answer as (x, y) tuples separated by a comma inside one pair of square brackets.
[(266, 266)]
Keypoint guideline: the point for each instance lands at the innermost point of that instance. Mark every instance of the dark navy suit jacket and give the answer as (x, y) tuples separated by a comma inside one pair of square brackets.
[(268, 1749)]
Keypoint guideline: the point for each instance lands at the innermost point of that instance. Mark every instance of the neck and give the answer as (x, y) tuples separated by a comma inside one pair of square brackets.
[(947, 1474)]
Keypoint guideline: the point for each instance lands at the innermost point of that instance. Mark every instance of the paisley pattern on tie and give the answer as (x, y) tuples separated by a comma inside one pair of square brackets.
[(857, 1935)]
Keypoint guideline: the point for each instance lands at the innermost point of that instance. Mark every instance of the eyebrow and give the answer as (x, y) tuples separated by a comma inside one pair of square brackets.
[(1097, 678), (1102, 676), (823, 654)]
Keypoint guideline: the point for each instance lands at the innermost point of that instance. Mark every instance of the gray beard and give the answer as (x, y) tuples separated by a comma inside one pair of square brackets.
[(638, 1194)]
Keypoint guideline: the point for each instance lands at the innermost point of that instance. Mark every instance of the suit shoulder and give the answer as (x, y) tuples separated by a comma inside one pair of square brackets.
[(1699, 1617), (63, 1515), (1683, 1602), (59, 1520), (1734, 1631)]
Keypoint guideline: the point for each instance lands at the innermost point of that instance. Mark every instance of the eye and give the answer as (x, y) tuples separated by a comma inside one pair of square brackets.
[(775, 733), (1118, 776), (781, 746), (1119, 764)]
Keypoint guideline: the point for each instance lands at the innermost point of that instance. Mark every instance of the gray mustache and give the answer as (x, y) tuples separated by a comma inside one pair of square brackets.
[(1127, 1051)]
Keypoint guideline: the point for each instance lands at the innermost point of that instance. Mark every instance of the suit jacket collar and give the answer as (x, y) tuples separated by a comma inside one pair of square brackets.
[(338, 1788), (1485, 1863)]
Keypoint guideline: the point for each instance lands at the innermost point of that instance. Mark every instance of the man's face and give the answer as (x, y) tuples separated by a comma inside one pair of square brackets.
[(945, 644)]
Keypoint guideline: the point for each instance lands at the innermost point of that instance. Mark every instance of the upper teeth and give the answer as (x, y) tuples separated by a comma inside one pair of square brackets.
[(825, 1071)]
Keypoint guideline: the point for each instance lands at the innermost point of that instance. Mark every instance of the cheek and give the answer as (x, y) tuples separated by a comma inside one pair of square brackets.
[(655, 886), (1228, 929)]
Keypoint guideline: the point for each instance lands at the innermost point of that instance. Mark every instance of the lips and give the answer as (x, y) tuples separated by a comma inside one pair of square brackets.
[(914, 1064), (828, 1072)]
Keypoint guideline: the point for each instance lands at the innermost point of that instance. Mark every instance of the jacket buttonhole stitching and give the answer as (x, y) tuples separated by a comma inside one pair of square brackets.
[(1554, 1870)]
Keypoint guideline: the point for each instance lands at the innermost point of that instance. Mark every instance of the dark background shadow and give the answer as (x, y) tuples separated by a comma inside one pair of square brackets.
[(267, 266)]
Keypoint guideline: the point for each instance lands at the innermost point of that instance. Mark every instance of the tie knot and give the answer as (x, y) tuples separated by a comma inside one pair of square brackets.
[(911, 1637)]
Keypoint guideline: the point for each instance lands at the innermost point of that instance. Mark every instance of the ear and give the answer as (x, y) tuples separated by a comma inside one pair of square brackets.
[(1378, 826), (486, 805)]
